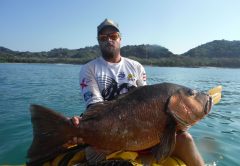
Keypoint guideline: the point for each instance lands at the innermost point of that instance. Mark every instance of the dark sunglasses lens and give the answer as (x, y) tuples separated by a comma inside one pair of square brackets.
[(113, 36), (102, 37)]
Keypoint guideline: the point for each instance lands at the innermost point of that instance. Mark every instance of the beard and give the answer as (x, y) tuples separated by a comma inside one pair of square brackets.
[(109, 51)]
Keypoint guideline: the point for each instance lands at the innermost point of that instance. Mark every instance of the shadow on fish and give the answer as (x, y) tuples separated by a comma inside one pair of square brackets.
[(146, 117)]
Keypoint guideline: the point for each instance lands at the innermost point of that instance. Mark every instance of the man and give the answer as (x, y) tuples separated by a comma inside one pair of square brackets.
[(111, 74)]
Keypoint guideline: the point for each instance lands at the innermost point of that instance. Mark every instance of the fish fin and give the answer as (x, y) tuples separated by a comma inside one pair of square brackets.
[(66, 153), (167, 141), (97, 109), (50, 131), (94, 156), (146, 159)]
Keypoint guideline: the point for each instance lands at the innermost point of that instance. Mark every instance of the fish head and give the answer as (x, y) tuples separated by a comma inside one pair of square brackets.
[(189, 106)]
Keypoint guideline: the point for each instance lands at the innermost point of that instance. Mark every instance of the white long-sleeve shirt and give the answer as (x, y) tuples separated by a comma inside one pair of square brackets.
[(101, 80)]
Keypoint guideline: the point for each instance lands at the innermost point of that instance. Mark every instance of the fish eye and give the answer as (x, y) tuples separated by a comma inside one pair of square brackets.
[(192, 92)]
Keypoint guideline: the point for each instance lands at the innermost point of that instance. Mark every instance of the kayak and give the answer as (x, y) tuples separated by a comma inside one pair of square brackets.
[(76, 156)]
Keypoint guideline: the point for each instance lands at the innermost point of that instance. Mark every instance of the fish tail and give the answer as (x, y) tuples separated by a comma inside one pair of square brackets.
[(50, 131)]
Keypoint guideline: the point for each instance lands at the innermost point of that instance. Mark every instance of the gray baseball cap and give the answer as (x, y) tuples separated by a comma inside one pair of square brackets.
[(106, 23)]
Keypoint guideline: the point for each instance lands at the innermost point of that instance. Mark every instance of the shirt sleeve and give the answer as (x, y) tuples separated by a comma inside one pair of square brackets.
[(89, 87), (142, 77)]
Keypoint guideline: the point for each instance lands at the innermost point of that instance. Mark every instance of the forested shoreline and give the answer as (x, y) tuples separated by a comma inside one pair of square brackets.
[(218, 53)]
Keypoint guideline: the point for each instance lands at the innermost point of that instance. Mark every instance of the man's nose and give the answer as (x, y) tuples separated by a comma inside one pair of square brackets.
[(109, 39)]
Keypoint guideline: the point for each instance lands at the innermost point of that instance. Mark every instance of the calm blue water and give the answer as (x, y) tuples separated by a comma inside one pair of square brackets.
[(56, 86)]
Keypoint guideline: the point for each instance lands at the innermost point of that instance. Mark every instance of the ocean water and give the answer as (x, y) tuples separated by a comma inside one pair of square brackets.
[(57, 86)]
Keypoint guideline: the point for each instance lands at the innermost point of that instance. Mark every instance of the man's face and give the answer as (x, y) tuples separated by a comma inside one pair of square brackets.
[(109, 41)]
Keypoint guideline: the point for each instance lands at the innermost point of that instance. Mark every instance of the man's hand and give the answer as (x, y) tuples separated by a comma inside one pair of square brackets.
[(75, 121)]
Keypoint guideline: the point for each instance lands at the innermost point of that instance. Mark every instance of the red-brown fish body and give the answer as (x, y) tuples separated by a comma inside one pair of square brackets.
[(125, 127), (143, 118)]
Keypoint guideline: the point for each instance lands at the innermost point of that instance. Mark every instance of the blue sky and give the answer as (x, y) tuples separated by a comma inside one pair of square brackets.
[(178, 25)]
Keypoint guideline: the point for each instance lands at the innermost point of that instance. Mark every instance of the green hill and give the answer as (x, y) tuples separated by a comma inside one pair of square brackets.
[(216, 49), (82, 55), (146, 51), (218, 53)]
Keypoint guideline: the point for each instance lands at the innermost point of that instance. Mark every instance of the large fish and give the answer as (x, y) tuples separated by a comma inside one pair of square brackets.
[(147, 117)]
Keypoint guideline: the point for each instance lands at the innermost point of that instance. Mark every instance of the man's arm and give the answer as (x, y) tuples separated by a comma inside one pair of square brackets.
[(142, 77), (90, 93), (89, 86)]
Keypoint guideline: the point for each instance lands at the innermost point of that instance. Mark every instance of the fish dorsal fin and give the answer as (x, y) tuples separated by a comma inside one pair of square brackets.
[(97, 109), (167, 141)]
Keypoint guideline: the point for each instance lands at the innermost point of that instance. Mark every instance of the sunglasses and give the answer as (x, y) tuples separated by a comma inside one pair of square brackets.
[(113, 36)]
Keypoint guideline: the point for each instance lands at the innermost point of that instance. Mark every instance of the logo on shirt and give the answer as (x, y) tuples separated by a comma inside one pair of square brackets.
[(88, 95), (111, 89), (131, 77), (84, 84), (121, 75)]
